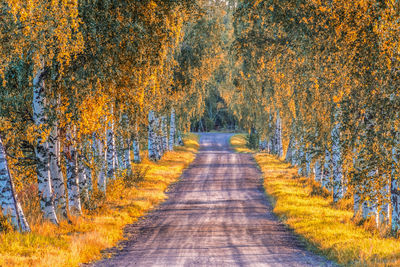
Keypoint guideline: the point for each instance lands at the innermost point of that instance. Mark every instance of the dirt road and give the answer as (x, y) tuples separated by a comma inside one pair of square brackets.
[(217, 215)]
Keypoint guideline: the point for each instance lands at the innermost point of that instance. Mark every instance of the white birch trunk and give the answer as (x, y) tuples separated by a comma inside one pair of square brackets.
[(327, 173), (301, 159), (395, 190), (385, 209), (158, 138), (89, 177), (337, 172), (318, 171), (164, 130), (136, 146), (278, 136), (74, 201), (127, 154), (82, 178), (294, 153), (120, 151), (172, 130), (152, 144), (57, 179), (42, 150), (102, 179), (8, 198), (395, 203), (289, 151), (110, 151), (179, 140), (308, 163)]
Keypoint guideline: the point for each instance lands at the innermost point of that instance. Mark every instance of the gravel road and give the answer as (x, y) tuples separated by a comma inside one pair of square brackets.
[(217, 215)]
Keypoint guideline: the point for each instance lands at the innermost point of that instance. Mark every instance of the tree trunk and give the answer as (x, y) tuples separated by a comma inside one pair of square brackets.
[(110, 151), (42, 150), (179, 140), (136, 145), (337, 172), (74, 201), (8, 198), (395, 190), (294, 153), (318, 171), (82, 178), (308, 163), (301, 159), (164, 130), (57, 179), (172, 130), (278, 137), (102, 179), (152, 143), (288, 157), (127, 154), (120, 151), (327, 173), (158, 138)]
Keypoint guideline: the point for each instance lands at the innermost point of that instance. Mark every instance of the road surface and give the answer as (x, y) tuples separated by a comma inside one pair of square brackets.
[(217, 215)]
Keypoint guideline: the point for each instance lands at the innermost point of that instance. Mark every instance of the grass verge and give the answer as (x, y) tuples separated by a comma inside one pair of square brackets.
[(82, 241), (238, 143), (328, 229)]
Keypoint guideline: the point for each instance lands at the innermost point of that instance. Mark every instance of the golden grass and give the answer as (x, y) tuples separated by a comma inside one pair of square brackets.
[(238, 142), (328, 229), (82, 241)]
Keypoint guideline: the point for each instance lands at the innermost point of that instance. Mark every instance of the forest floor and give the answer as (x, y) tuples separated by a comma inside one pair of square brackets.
[(328, 229), (217, 215), (71, 244)]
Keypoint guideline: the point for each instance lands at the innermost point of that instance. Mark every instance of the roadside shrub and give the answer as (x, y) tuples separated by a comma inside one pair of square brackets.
[(252, 140), (96, 200), (5, 224)]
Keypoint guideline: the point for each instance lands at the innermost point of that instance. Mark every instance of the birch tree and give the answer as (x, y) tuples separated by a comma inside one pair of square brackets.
[(10, 205)]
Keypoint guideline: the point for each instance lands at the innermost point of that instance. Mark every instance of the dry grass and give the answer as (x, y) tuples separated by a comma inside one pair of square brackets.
[(83, 240), (238, 142), (329, 229)]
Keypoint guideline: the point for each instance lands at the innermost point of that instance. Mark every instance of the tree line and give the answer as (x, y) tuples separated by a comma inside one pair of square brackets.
[(317, 81), (86, 85)]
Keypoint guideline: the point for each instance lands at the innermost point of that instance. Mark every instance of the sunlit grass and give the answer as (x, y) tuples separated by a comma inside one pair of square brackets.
[(83, 240), (238, 142), (328, 229)]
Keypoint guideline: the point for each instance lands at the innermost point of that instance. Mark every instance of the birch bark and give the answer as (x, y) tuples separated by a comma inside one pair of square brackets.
[(127, 154), (337, 172), (102, 179), (327, 173), (57, 179), (164, 130), (395, 189), (110, 151), (172, 130), (74, 201), (82, 178), (152, 146), (8, 198), (42, 150), (136, 145), (289, 151), (278, 136)]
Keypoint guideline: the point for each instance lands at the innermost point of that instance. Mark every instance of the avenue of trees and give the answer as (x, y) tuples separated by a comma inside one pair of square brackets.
[(318, 82), (86, 85)]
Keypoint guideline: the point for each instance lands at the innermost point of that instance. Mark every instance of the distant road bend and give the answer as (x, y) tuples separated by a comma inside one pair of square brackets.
[(217, 215)]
